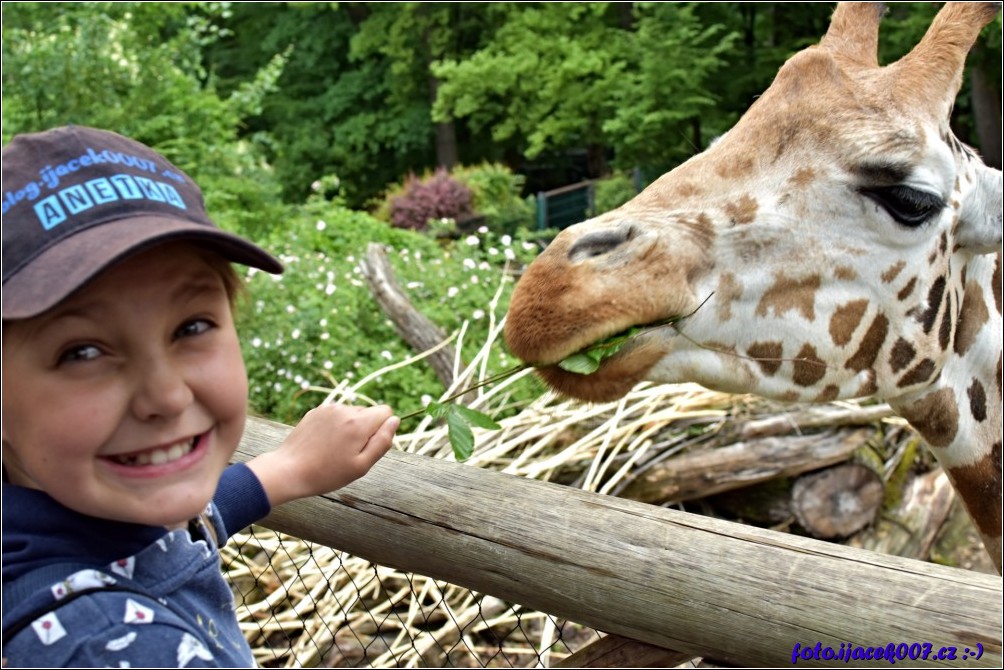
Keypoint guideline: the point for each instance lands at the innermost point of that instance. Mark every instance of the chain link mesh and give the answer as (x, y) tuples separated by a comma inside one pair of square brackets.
[(307, 605)]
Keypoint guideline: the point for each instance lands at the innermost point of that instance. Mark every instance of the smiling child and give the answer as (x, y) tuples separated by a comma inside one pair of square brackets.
[(124, 398)]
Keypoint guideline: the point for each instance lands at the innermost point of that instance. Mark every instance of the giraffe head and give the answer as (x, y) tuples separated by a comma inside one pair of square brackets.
[(822, 241)]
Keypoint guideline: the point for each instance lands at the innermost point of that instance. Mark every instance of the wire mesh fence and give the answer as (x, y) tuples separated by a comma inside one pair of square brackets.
[(306, 605)]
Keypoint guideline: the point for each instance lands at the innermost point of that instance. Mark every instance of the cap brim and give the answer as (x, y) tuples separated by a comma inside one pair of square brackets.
[(65, 267)]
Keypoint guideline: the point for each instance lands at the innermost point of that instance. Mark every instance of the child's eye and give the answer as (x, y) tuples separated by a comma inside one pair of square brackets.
[(193, 327), (77, 354)]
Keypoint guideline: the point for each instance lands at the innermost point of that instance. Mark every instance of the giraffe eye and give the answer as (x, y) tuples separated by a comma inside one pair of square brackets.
[(908, 206)]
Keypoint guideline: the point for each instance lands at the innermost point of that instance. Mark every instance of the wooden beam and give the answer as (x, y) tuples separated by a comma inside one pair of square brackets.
[(694, 584)]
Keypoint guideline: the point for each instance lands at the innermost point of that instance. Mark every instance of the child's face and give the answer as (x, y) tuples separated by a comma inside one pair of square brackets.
[(127, 400)]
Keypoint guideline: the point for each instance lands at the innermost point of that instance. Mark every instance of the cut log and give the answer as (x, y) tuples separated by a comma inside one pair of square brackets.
[(704, 473), (415, 328), (911, 527), (837, 502)]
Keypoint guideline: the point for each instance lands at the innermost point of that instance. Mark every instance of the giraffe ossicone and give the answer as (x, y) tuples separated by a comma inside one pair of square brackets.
[(849, 243)]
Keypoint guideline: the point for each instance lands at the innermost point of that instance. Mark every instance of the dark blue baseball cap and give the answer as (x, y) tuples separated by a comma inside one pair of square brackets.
[(77, 199)]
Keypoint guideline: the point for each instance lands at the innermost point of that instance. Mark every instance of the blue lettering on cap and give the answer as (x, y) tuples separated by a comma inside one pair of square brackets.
[(150, 189), (126, 186), (50, 212), (101, 190), (76, 199)]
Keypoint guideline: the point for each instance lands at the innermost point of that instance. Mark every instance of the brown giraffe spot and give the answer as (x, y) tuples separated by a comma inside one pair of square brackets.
[(828, 394), (972, 317), (868, 387), (845, 321), (845, 273), (742, 211), (734, 169), (999, 358), (893, 272), (920, 373), (905, 292), (934, 296), (936, 417), (687, 189), (787, 294), (701, 229), (809, 368), (902, 355), (977, 400), (983, 480), (943, 246), (996, 283), (871, 343), (803, 177), (729, 290), (947, 322), (767, 355)]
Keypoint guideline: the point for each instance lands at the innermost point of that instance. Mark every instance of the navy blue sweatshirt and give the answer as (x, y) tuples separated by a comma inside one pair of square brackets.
[(169, 605)]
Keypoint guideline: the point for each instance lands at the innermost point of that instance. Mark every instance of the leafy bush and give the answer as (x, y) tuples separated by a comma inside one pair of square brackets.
[(438, 196), (317, 324), (614, 191), (498, 197)]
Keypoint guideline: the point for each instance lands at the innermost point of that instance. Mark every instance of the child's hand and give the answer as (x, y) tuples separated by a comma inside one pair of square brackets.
[(330, 447)]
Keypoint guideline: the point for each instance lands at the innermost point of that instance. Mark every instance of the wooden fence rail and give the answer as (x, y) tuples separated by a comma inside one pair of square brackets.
[(689, 583)]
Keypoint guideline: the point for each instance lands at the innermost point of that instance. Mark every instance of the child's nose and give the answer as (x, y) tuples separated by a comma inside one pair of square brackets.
[(161, 391)]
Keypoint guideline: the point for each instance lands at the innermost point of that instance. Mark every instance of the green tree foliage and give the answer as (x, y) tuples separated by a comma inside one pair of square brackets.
[(135, 68)]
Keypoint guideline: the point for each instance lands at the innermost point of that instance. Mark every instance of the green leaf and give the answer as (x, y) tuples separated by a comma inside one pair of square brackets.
[(461, 437), (476, 418), (437, 410), (580, 363)]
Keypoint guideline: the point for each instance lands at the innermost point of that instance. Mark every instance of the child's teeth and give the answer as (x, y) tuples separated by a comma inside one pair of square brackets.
[(159, 456)]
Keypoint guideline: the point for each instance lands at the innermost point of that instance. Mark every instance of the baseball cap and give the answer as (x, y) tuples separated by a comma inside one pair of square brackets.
[(78, 199)]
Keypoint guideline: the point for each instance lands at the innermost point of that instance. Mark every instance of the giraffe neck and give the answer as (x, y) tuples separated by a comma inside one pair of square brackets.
[(959, 415)]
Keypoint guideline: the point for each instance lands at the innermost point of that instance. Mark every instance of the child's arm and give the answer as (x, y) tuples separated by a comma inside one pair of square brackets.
[(332, 446)]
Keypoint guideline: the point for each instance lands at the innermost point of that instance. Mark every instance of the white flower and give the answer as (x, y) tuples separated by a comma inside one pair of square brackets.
[(506, 240), (474, 279), (510, 254), (478, 314), (295, 334), (493, 251), (483, 229), (452, 292), (386, 354), (277, 386), (414, 284), (469, 263), (328, 365), (472, 240), (256, 342), (290, 309), (325, 336), (329, 289), (321, 225), (322, 323)]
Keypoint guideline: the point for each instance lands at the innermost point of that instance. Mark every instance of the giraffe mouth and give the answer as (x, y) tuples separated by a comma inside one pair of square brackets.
[(609, 368)]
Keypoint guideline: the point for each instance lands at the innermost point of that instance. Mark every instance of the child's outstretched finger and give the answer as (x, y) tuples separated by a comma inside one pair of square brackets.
[(382, 440)]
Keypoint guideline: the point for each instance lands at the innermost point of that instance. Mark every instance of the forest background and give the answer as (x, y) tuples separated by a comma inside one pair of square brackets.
[(316, 128)]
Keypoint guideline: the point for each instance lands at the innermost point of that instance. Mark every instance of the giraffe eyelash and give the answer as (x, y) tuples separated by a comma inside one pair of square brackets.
[(908, 206)]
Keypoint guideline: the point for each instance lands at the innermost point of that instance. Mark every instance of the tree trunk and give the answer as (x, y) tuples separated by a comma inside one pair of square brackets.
[(415, 328), (446, 134), (986, 116)]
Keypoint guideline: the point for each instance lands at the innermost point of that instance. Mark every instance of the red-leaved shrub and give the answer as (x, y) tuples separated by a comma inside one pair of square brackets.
[(436, 197)]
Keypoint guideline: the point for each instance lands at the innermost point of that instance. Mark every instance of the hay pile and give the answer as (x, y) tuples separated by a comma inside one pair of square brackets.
[(307, 605)]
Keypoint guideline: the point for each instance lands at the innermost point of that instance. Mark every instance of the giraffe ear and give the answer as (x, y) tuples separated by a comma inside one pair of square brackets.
[(981, 217)]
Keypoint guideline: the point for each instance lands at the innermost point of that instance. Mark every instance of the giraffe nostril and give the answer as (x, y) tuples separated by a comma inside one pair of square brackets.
[(599, 243)]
